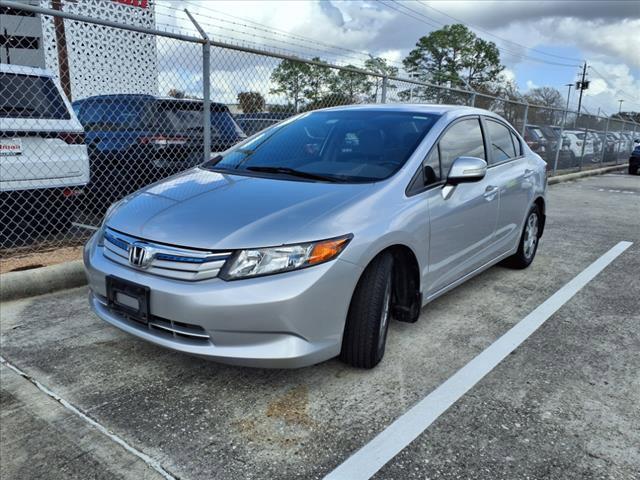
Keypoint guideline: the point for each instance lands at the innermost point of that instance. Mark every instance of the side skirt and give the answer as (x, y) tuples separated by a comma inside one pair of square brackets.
[(469, 275)]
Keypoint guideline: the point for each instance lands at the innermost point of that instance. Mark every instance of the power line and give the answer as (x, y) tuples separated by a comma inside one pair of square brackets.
[(435, 23), (499, 38)]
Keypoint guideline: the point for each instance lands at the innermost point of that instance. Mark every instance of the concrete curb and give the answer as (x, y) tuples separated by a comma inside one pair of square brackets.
[(585, 173), (29, 283)]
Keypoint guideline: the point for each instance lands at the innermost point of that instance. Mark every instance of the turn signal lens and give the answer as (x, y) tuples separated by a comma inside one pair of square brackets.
[(325, 251)]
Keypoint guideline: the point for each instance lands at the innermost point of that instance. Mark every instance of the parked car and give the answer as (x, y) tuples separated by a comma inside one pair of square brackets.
[(301, 243), (628, 142), (634, 161), (578, 147), (44, 162), (536, 140), (254, 122), (134, 140), (552, 135), (598, 139)]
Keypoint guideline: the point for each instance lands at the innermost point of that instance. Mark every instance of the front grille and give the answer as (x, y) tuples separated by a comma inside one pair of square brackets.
[(173, 262)]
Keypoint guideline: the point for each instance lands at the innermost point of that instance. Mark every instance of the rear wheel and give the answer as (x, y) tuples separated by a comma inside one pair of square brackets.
[(528, 241), (365, 333)]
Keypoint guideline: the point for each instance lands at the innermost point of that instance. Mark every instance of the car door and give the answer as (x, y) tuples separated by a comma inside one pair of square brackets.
[(462, 218), (510, 170)]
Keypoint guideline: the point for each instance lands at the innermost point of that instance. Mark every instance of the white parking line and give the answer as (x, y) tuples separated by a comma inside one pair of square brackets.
[(387, 444), (151, 463)]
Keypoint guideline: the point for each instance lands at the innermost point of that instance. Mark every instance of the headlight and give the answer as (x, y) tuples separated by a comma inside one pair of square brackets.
[(267, 261), (103, 225)]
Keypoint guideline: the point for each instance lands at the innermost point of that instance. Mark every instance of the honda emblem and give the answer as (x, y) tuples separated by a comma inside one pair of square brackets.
[(140, 254)]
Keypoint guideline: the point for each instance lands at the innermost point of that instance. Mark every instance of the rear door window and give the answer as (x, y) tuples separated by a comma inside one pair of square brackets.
[(187, 116), (30, 96), (501, 142), (115, 114), (463, 139)]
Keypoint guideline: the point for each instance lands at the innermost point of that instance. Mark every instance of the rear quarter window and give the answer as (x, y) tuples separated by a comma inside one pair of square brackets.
[(31, 96)]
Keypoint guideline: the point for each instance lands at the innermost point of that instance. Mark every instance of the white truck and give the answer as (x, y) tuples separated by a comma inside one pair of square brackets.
[(43, 159)]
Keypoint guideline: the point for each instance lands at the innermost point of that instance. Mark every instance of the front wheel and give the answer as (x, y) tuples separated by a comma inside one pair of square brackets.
[(528, 245), (365, 333)]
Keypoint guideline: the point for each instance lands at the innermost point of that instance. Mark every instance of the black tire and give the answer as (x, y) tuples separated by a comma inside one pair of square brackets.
[(365, 332), (526, 251), (633, 170)]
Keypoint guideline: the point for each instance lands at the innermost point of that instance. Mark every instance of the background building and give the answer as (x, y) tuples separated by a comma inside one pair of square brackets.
[(88, 59)]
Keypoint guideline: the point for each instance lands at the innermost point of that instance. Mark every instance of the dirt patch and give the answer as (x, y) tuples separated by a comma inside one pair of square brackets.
[(43, 258), (287, 424), (291, 407)]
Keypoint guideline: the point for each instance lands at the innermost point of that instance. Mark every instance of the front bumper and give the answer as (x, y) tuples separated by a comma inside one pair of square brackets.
[(285, 320)]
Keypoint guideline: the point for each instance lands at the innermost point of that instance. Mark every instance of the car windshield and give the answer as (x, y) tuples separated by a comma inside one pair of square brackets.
[(351, 146)]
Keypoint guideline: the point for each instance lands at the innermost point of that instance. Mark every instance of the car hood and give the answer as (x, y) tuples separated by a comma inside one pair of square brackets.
[(211, 210)]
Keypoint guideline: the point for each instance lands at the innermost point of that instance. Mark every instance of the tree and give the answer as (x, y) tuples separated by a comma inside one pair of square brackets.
[(251, 102), (455, 55), (350, 85), (544, 97), (380, 65), (291, 79), (319, 81)]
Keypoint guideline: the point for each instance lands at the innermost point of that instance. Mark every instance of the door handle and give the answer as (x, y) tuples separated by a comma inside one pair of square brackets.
[(490, 192), (528, 173)]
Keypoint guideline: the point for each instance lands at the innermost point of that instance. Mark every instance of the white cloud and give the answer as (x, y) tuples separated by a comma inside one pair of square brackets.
[(606, 33)]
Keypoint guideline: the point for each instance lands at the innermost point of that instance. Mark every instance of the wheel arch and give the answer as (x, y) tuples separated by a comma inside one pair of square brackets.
[(407, 296), (540, 202)]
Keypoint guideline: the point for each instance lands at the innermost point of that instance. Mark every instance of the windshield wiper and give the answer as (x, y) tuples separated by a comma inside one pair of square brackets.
[(294, 173)]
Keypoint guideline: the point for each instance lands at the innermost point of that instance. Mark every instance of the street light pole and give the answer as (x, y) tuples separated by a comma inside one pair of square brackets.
[(568, 94), (620, 108)]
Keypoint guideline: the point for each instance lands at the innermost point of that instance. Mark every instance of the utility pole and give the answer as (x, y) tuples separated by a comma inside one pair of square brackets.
[(582, 85), (61, 45), (620, 108)]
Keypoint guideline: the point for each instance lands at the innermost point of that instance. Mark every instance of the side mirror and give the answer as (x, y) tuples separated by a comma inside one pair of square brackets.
[(466, 169)]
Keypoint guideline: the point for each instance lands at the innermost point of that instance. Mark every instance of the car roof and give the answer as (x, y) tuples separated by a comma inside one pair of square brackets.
[(451, 111), (143, 96), (23, 70)]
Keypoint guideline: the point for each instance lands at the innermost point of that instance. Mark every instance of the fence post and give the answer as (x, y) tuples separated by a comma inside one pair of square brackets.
[(584, 144), (526, 117), (383, 95), (473, 99), (206, 87), (560, 142), (605, 141)]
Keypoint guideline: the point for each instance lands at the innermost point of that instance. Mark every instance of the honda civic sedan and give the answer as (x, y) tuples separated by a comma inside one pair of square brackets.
[(304, 241)]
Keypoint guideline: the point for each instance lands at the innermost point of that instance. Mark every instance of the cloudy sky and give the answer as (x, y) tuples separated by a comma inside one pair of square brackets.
[(541, 42)]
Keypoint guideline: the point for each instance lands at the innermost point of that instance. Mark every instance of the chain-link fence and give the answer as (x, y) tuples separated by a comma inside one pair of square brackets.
[(123, 106)]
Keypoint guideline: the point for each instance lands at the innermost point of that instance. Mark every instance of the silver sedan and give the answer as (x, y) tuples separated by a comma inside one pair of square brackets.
[(302, 242)]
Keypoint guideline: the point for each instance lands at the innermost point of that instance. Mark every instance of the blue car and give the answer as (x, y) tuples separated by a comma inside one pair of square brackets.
[(634, 160), (134, 140)]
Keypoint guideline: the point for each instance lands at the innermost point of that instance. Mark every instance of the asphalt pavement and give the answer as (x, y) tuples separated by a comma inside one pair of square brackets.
[(80, 399)]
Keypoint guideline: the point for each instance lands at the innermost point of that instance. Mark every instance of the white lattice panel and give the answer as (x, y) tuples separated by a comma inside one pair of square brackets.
[(104, 60)]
